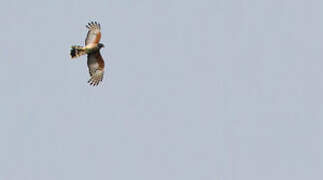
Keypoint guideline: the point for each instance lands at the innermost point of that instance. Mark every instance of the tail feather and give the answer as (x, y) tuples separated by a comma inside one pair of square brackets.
[(77, 51)]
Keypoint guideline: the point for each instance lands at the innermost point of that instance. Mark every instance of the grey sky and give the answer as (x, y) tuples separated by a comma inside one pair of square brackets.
[(210, 90)]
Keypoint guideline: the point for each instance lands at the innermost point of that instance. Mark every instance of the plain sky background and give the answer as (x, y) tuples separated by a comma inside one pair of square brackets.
[(194, 90)]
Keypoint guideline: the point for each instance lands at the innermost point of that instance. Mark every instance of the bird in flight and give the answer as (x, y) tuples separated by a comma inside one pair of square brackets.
[(92, 48)]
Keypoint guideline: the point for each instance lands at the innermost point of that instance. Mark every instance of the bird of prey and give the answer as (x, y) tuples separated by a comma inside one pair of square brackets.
[(92, 48)]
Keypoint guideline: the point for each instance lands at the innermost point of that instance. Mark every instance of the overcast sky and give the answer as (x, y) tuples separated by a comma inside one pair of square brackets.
[(193, 90)]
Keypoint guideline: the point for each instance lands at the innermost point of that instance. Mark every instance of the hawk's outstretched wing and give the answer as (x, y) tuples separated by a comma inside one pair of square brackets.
[(94, 33), (96, 68)]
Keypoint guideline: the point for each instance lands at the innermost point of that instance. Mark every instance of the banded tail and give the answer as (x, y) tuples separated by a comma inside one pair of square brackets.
[(77, 51)]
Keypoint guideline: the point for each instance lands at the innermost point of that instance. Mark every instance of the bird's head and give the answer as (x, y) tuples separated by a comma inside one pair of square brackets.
[(100, 45)]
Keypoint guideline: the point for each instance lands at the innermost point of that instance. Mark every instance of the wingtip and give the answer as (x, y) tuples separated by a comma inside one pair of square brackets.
[(93, 24)]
